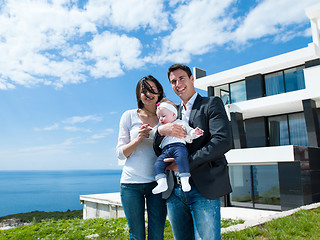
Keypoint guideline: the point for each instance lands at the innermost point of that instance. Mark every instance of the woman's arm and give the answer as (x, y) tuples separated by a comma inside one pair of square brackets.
[(126, 145), (143, 132)]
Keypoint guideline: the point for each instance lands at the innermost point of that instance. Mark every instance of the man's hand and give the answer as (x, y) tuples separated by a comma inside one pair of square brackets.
[(173, 166), (172, 129)]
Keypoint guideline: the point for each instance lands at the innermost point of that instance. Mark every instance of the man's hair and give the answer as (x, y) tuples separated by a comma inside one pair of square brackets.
[(179, 66)]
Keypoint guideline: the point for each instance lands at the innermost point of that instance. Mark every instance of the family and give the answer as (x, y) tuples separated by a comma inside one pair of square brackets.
[(174, 160)]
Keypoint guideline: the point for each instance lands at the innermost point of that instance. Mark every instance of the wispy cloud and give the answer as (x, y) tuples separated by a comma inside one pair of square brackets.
[(68, 42), (64, 147), (55, 126), (76, 129), (65, 124), (82, 119), (103, 134)]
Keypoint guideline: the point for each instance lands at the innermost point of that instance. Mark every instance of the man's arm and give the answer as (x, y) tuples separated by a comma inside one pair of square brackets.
[(219, 138), (156, 143)]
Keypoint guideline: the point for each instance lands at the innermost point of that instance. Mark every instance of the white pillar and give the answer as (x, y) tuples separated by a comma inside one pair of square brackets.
[(313, 13), (315, 31)]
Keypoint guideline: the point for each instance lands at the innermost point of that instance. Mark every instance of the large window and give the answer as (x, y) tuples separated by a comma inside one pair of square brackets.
[(266, 185), (298, 130), (294, 79), (255, 186), (223, 92), (288, 130), (238, 91), (274, 83), (284, 81), (259, 85), (278, 131), (240, 177)]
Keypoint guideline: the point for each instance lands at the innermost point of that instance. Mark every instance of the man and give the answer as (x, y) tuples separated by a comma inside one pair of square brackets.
[(196, 214)]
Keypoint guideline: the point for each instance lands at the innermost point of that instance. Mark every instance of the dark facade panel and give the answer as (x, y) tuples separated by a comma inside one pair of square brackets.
[(255, 86), (256, 132), (210, 91), (314, 161), (199, 73), (312, 123), (305, 172), (238, 134), (312, 63), (291, 194), (299, 181)]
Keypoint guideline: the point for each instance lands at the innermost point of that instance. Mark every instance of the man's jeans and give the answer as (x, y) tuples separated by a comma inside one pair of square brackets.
[(133, 198), (193, 216)]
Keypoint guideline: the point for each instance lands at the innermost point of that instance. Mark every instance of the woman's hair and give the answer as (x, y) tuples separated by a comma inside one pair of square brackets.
[(143, 87)]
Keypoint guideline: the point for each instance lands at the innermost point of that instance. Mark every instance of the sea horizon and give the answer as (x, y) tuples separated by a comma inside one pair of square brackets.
[(24, 191)]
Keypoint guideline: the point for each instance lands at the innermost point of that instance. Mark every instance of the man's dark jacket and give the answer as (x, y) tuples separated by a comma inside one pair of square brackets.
[(208, 165)]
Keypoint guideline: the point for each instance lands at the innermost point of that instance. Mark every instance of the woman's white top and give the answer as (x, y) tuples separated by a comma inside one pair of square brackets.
[(138, 167)]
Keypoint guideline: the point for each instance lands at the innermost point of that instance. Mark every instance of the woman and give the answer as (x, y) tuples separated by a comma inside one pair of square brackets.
[(135, 149)]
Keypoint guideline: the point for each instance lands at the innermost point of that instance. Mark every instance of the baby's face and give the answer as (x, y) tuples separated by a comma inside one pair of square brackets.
[(165, 115)]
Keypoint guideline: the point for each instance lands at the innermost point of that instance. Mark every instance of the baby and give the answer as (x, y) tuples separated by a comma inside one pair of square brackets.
[(173, 147)]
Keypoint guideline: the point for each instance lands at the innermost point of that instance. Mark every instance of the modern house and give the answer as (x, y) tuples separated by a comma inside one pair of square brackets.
[(274, 111)]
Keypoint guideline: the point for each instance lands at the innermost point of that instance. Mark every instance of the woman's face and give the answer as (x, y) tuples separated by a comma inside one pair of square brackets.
[(148, 97)]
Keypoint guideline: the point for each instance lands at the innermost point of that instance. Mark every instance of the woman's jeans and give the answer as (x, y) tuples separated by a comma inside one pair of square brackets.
[(193, 216), (133, 198)]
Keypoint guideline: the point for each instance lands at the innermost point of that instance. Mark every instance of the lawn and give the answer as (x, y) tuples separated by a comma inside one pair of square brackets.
[(304, 224)]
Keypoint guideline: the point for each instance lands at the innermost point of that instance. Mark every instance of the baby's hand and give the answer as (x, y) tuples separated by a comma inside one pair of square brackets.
[(198, 131)]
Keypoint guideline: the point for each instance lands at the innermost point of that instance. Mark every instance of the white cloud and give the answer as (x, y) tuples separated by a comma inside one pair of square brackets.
[(38, 37), (199, 26), (131, 14), (58, 43), (273, 18), (112, 52)]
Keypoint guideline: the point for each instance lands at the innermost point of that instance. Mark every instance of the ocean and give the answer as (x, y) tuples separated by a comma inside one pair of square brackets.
[(26, 191)]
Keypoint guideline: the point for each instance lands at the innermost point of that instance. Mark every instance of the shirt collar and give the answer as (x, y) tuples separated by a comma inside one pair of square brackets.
[(191, 101)]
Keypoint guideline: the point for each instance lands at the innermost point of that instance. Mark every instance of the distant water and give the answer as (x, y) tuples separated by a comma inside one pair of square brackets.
[(26, 191)]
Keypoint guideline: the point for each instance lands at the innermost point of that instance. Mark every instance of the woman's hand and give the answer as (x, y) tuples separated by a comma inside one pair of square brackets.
[(172, 129), (143, 132)]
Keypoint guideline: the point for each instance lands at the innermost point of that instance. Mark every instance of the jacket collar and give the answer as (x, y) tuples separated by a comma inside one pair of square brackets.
[(195, 107)]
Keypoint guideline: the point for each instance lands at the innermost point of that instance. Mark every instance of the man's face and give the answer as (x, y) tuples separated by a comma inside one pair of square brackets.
[(182, 85)]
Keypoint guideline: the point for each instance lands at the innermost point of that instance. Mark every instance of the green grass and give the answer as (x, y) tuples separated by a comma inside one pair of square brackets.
[(305, 224), (38, 216)]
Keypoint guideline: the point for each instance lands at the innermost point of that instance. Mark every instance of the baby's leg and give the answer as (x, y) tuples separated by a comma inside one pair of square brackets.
[(185, 184), (162, 185), (182, 160)]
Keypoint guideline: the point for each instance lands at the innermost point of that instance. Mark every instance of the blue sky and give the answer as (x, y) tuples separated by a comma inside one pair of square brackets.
[(68, 69)]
